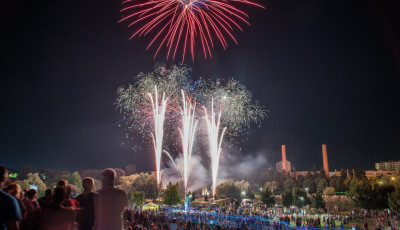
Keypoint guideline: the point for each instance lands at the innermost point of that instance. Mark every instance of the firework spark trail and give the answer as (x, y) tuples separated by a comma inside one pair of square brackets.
[(158, 132), (179, 23), (215, 142), (173, 162), (187, 134)]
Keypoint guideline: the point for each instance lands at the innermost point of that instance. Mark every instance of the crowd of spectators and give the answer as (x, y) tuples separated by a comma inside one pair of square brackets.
[(56, 210), (107, 209)]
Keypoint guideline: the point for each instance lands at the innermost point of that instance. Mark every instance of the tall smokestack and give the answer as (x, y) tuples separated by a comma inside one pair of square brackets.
[(325, 160), (284, 158)]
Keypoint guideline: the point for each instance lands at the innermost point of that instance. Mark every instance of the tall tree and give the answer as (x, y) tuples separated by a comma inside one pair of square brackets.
[(310, 185), (146, 183), (267, 198), (300, 198), (336, 182), (362, 194), (394, 200), (289, 184), (76, 179), (318, 201), (34, 179), (137, 198), (322, 184), (287, 199), (382, 192), (228, 189), (171, 195)]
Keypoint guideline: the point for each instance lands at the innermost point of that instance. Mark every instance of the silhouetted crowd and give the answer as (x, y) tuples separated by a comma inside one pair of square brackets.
[(100, 210)]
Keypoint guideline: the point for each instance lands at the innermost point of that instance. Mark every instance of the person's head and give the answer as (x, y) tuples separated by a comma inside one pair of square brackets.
[(59, 195), (48, 192), (22, 196), (3, 175), (108, 177), (14, 190), (62, 183), (87, 184), (31, 194)]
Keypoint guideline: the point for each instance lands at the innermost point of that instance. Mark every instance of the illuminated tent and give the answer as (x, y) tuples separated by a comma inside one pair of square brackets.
[(150, 206)]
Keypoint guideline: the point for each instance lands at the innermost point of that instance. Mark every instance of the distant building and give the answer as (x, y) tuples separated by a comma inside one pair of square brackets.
[(387, 166), (280, 168), (296, 174), (380, 173)]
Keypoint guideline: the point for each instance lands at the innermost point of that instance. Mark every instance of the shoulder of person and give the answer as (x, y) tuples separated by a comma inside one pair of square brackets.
[(8, 199), (121, 191)]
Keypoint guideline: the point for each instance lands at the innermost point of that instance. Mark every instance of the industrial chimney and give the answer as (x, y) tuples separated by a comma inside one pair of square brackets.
[(325, 160), (284, 158)]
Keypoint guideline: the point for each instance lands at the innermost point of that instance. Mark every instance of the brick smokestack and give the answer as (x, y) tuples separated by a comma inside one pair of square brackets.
[(325, 160), (284, 158)]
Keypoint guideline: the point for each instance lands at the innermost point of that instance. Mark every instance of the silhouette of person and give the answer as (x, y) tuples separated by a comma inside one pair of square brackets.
[(110, 203), (86, 201), (10, 214)]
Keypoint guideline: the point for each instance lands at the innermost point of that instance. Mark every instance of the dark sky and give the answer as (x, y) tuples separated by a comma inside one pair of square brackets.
[(328, 72)]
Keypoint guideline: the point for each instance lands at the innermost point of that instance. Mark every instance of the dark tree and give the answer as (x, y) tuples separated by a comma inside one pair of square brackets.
[(24, 171), (322, 184), (336, 183), (287, 199), (310, 185), (228, 189), (362, 194), (394, 200), (299, 181), (51, 177), (382, 192), (318, 201), (267, 197), (300, 197), (289, 184)]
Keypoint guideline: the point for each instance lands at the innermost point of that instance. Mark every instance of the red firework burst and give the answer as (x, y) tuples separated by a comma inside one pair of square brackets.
[(180, 23)]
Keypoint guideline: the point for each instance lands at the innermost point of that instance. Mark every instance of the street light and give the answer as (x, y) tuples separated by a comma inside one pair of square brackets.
[(307, 190), (261, 189)]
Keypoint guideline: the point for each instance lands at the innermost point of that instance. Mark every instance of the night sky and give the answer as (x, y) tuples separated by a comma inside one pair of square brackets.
[(327, 71)]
